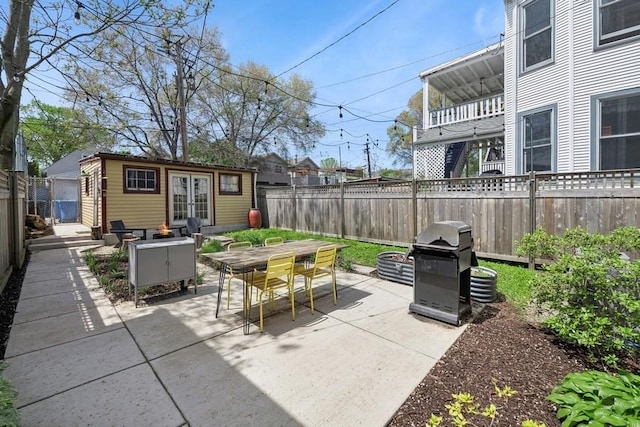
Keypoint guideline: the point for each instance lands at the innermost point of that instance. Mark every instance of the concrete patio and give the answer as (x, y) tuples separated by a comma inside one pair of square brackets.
[(76, 359)]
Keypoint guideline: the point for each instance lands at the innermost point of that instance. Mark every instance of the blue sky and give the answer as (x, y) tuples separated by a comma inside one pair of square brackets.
[(423, 33), (409, 37)]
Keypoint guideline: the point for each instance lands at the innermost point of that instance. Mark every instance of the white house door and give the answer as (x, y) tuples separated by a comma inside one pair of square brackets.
[(189, 195)]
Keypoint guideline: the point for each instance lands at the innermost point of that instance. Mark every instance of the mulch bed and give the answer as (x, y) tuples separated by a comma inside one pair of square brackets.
[(498, 349)]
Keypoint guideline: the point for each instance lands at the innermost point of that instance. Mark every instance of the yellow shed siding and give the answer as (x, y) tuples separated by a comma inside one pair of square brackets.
[(142, 209), (90, 212), (233, 209), (135, 209)]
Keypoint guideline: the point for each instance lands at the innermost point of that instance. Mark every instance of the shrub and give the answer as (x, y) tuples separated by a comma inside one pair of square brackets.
[(8, 412), (592, 292), (598, 398)]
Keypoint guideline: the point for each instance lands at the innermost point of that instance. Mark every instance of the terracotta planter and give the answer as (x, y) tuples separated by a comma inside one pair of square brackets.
[(255, 218)]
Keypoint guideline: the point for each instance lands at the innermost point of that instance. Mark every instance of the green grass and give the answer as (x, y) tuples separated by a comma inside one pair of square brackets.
[(357, 252), (513, 281)]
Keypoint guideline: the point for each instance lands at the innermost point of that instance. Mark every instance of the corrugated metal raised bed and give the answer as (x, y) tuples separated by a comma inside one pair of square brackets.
[(395, 266)]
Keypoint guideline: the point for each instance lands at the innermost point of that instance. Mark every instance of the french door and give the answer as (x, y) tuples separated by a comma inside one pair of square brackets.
[(189, 195)]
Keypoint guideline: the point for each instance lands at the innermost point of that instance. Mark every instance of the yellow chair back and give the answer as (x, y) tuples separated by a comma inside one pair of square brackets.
[(238, 245), (270, 241)]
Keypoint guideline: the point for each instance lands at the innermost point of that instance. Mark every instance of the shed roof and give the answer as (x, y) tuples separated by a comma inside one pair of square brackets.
[(141, 159)]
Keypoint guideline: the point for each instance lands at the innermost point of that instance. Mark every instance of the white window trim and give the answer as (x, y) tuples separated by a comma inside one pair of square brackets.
[(598, 44), (596, 120), (522, 57), (519, 157), (136, 189)]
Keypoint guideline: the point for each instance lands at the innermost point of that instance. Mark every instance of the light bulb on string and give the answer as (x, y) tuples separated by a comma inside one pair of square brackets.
[(440, 127), (340, 107), (76, 15), (340, 133), (395, 124)]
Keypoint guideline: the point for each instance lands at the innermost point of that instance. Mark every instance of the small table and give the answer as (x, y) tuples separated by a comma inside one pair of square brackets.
[(248, 259)]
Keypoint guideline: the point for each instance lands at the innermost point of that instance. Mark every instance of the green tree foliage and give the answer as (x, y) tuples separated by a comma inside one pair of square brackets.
[(53, 132), (246, 112), (131, 85), (400, 133), (44, 33)]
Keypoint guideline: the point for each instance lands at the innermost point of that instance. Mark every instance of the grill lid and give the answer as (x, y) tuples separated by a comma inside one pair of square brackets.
[(443, 233)]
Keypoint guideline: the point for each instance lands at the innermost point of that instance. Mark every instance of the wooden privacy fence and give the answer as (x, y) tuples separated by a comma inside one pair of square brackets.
[(500, 209), (13, 190)]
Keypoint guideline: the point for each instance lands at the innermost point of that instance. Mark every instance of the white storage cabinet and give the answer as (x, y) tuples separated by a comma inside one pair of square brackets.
[(161, 261)]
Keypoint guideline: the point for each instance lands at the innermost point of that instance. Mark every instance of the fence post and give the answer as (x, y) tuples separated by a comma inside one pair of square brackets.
[(532, 212), (414, 202), (14, 221), (342, 218), (295, 210)]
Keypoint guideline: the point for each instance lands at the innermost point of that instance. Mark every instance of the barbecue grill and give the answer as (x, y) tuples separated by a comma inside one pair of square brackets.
[(442, 271)]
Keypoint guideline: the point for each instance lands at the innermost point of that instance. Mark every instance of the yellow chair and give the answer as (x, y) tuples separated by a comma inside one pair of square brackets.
[(279, 274), (323, 265), (235, 246), (272, 241)]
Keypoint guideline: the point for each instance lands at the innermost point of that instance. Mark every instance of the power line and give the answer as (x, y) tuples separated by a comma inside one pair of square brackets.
[(340, 39)]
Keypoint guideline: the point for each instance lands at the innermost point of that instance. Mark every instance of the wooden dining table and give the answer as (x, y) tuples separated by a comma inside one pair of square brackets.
[(249, 259)]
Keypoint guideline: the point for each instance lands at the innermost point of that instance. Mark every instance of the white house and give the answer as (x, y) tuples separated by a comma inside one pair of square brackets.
[(470, 117), (571, 76), (572, 85)]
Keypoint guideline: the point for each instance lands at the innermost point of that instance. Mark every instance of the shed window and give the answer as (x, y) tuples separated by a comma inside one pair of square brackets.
[(230, 184), (144, 180), (618, 20), (537, 34)]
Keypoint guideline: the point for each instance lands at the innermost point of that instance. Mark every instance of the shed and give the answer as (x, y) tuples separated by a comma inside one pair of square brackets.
[(146, 193)]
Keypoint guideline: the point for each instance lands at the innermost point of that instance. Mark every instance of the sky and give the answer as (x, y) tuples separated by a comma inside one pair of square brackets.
[(371, 68)]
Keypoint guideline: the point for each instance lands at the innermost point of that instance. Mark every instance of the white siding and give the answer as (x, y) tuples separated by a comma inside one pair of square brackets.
[(578, 73)]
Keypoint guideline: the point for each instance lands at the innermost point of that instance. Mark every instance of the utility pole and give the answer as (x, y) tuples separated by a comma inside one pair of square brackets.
[(181, 101), (366, 150)]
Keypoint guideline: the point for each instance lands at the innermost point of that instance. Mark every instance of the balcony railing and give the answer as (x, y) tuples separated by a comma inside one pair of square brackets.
[(481, 108)]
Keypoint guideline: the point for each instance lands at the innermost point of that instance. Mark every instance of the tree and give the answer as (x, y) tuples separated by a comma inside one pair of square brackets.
[(251, 112), (132, 85), (330, 163), (401, 133), (53, 132), (42, 33)]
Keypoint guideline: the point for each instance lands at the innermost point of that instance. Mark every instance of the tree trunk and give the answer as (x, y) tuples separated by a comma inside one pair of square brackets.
[(8, 134)]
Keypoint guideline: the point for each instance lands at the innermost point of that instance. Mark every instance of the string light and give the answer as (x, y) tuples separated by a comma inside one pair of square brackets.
[(440, 127), (76, 15), (340, 107)]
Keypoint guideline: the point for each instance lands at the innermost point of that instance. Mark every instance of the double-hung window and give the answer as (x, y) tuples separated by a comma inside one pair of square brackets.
[(618, 20), (619, 134), (536, 34), (141, 180), (537, 142)]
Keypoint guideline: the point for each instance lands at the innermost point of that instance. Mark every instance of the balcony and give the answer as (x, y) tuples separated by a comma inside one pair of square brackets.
[(474, 110)]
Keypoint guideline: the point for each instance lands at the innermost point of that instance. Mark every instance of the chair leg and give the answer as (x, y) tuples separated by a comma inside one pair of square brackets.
[(335, 288), (229, 290), (292, 299), (311, 293), (261, 313)]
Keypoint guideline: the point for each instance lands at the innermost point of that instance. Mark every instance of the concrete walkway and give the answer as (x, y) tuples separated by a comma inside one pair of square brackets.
[(75, 359)]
